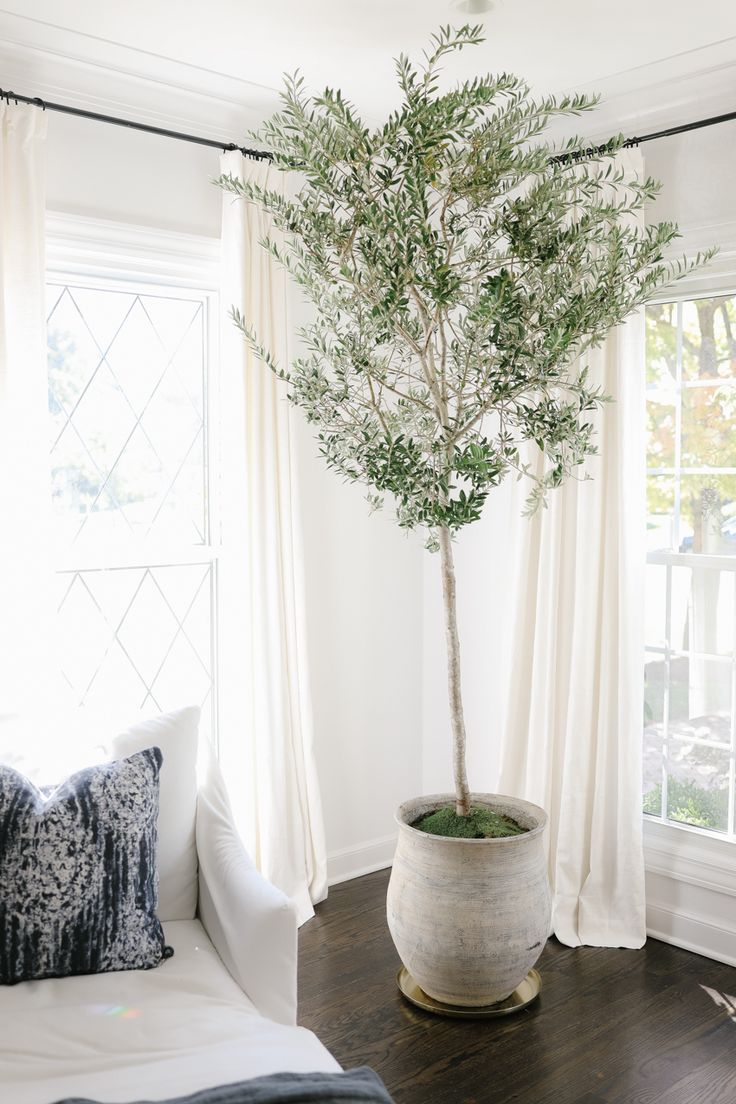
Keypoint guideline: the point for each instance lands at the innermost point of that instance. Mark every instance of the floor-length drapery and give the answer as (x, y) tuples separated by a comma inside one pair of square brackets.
[(572, 738), (25, 574), (266, 744)]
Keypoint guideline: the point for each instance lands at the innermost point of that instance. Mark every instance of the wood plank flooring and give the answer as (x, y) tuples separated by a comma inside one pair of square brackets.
[(610, 1026)]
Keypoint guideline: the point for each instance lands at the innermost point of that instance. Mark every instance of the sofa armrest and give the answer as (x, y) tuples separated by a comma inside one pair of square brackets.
[(251, 923)]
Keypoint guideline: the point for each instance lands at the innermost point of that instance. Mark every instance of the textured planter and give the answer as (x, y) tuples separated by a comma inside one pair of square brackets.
[(469, 917)]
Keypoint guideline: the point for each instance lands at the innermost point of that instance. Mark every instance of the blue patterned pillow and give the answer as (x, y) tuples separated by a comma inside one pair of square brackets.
[(78, 872)]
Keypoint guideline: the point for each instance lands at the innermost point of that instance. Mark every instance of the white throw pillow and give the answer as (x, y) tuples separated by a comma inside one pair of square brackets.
[(177, 735)]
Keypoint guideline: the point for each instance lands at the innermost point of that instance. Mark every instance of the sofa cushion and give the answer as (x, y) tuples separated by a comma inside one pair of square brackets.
[(176, 734), (143, 1034), (78, 893)]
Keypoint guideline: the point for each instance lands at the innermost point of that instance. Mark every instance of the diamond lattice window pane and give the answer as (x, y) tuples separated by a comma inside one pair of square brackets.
[(139, 481), (82, 622), (148, 630), (140, 638), (126, 397), (73, 353), (183, 678), (103, 311), (187, 361), (174, 320), (176, 582), (137, 357)]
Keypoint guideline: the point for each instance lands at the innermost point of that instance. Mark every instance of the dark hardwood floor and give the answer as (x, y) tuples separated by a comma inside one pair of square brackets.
[(610, 1026)]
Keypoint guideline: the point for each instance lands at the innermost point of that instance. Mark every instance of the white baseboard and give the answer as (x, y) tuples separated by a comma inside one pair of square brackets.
[(692, 934), (691, 890), (353, 862)]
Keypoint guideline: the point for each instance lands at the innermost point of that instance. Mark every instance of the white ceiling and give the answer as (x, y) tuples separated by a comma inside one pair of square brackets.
[(555, 44)]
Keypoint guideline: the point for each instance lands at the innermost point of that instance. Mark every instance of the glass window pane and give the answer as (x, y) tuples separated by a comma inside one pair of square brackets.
[(709, 338), (708, 514), (681, 585), (655, 605), (708, 415), (700, 699), (702, 610), (661, 518), (661, 348), (654, 681), (697, 785), (127, 404), (139, 639), (661, 408), (74, 353)]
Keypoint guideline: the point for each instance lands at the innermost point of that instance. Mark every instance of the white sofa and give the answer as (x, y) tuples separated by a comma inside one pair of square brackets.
[(222, 1009)]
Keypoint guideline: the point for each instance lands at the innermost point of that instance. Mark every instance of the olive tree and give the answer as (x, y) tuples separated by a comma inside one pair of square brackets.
[(459, 267)]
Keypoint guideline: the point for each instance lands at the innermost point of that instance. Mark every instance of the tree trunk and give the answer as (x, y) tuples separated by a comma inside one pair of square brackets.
[(457, 721)]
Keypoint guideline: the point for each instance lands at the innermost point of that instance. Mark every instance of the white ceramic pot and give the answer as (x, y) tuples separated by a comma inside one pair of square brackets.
[(469, 917)]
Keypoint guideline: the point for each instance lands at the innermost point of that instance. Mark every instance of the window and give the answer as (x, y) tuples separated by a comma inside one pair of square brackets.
[(690, 666), (131, 380)]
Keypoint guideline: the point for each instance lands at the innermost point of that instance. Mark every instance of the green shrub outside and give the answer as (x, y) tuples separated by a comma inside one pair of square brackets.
[(690, 804)]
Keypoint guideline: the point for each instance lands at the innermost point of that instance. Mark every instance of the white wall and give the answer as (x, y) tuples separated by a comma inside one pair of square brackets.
[(109, 172), (363, 575), (483, 559), (696, 172), (364, 616)]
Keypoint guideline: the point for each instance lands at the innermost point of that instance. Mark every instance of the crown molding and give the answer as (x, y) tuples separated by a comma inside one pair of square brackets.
[(669, 92), (54, 63)]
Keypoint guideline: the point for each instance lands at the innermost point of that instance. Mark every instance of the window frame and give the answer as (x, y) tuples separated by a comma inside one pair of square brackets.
[(724, 285), (89, 252), (691, 872)]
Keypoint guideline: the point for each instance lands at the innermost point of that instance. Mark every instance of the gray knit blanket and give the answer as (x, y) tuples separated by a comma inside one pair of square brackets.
[(357, 1086)]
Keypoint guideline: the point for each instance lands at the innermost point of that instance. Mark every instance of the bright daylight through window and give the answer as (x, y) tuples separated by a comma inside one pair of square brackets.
[(690, 679), (128, 402)]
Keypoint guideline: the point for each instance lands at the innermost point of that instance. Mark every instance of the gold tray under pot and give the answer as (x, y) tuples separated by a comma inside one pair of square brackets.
[(523, 995)]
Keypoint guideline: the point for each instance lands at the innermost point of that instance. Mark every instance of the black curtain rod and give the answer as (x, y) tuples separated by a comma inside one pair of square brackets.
[(629, 143), (264, 155), (197, 140)]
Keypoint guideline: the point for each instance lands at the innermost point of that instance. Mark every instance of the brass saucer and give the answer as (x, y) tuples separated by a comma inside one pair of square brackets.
[(523, 995)]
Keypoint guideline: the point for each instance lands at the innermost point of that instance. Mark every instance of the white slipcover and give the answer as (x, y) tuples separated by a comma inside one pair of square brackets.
[(222, 1009), (143, 1034)]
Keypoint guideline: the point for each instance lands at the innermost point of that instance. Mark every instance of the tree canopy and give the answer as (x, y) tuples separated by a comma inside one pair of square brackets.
[(460, 266)]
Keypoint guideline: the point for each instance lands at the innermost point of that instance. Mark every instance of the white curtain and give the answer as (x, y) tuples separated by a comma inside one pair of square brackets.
[(266, 740), (25, 573), (572, 741)]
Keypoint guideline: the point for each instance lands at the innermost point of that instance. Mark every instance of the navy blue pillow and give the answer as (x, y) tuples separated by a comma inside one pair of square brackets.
[(78, 872)]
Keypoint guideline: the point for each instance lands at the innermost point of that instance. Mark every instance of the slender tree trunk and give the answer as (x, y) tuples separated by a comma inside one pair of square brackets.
[(457, 720)]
